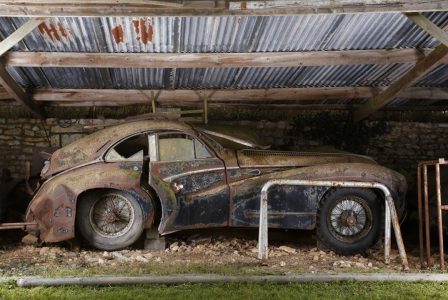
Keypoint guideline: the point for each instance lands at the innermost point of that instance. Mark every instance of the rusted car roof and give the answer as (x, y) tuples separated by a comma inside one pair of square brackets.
[(91, 147)]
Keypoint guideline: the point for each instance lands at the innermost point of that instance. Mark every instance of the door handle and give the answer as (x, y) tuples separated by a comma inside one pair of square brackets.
[(254, 172)]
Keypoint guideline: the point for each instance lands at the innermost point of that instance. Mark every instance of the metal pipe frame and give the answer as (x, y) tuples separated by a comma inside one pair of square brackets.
[(390, 213), (23, 226), (423, 202)]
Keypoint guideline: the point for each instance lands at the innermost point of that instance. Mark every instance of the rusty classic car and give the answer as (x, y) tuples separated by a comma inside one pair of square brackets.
[(113, 184)]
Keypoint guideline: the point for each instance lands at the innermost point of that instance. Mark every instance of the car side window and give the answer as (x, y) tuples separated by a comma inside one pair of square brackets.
[(181, 147), (133, 148)]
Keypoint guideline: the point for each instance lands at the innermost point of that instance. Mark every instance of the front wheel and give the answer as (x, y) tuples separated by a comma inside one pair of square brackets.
[(349, 220), (110, 220)]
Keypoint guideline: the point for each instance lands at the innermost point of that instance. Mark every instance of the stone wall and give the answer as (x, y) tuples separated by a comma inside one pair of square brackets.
[(400, 149)]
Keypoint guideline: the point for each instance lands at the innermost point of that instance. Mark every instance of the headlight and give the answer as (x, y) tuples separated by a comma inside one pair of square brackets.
[(45, 168)]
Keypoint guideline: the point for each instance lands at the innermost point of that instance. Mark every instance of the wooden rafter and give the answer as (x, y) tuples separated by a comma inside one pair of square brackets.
[(420, 69), (208, 7), (214, 60), (18, 93), (111, 97), (18, 35), (9, 85)]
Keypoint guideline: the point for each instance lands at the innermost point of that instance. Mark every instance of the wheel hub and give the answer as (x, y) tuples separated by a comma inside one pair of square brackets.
[(112, 215), (348, 217)]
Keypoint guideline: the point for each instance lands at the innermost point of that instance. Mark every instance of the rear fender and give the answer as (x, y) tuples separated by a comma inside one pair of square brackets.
[(54, 205)]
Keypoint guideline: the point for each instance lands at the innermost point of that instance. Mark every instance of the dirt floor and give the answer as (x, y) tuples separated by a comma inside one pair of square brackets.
[(196, 252)]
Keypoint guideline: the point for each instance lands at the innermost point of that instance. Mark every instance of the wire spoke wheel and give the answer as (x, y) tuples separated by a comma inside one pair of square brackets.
[(350, 218), (112, 215)]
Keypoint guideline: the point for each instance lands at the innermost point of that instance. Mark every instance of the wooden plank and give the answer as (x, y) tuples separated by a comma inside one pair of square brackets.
[(412, 76), (18, 35), (214, 60), (18, 93), (108, 96), (264, 106), (212, 8), (175, 96), (428, 26), (4, 94)]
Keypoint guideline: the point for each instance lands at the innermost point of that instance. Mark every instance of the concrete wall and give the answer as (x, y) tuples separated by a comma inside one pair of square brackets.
[(400, 149)]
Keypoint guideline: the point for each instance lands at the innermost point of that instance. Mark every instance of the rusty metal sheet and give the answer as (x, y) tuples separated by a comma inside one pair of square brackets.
[(208, 192), (92, 147), (54, 206)]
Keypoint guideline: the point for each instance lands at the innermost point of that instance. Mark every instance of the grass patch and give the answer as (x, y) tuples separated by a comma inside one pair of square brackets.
[(339, 290), (150, 268)]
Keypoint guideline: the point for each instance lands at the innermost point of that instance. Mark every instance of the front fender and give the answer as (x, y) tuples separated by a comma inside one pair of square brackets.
[(54, 205)]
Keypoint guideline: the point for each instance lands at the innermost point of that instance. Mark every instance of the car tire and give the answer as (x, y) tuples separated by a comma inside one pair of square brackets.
[(349, 220), (110, 219)]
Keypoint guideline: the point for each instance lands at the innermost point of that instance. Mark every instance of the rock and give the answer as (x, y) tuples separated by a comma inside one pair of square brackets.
[(30, 239), (369, 265), (360, 265), (282, 264), (254, 250), (174, 248), (287, 249), (141, 258), (44, 250), (107, 255), (120, 256), (316, 258), (173, 245), (147, 255)]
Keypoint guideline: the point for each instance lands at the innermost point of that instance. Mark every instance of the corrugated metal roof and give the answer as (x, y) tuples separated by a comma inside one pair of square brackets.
[(224, 34)]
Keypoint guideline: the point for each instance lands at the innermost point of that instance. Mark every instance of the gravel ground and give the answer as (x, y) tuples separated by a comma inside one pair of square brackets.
[(193, 253)]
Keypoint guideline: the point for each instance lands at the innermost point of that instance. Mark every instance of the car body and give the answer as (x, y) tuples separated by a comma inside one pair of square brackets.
[(182, 178)]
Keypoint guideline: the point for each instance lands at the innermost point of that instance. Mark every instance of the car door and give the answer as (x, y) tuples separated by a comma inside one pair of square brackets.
[(193, 180)]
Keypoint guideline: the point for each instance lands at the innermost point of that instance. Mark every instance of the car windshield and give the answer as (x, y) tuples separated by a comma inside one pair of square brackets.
[(219, 140), (209, 140)]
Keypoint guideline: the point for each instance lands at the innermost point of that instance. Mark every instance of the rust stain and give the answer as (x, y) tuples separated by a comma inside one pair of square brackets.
[(62, 30), (143, 30), (117, 32), (243, 5), (52, 32)]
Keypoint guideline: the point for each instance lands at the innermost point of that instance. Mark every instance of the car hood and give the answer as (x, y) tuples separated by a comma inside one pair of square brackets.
[(269, 158)]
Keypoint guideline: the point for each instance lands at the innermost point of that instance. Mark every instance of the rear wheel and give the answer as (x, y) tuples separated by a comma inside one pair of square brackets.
[(349, 220), (110, 220)]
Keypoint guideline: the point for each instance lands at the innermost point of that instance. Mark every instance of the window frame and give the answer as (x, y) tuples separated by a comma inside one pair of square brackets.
[(155, 141), (112, 147)]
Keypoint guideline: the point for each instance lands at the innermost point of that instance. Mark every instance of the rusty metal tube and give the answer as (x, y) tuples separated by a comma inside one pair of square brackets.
[(389, 211), (426, 206), (420, 214), (9, 226), (439, 217), (29, 282)]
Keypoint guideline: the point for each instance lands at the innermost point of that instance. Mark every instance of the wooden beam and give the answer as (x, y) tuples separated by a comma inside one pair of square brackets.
[(18, 35), (428, 26), (18, 93), (412, 76), (47, 8), (420, 69), (214, 60), (4, 94), (127, 97), (178, 96)]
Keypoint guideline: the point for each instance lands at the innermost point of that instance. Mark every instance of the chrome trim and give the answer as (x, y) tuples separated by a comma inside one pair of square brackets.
[(173, 177), (152, 144)]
